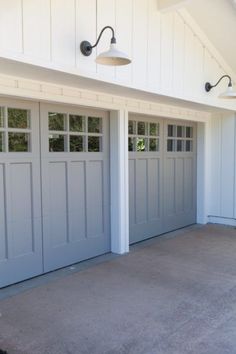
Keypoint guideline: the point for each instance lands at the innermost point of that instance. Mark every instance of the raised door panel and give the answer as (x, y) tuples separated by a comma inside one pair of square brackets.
[(77, 197)]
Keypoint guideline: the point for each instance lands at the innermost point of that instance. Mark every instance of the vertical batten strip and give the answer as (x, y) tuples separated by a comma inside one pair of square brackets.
[(50, 16), (22, 26)]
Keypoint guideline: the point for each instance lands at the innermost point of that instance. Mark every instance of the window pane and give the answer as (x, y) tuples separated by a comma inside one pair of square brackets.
[(180, 130), (180, 144), (170, 130), (188, 145), (77, 123), (154, 129), (56, 121), (141, 128), (170, 145), (132, 127), (94, 125), (19, 142), (153, 145), (18, 118), (94, 144), (141, 144), (57, 143), (131, 143), (1, 117), (189, 132), (76, 143), (2, 142)]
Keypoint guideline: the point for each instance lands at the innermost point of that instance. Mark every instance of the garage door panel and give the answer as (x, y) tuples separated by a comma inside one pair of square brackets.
[(169, 199), (179, 185), (21, 191), (141, 198), (95, 198), (189, 184), (58, 203), (132, 191), (78, 251), (22, 234), (77, 201), (3, 244), (154, 193), (58, 186)]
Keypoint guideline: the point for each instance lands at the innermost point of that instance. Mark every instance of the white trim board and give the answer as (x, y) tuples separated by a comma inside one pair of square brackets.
[(43, 91), (221, 220)]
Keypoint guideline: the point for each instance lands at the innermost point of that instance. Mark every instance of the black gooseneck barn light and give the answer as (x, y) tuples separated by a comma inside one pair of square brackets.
[(229, 93), (110, 57)]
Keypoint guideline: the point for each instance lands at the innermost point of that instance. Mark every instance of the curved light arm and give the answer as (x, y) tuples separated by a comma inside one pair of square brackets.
[(208, 86), (113, 40), (87, 48)]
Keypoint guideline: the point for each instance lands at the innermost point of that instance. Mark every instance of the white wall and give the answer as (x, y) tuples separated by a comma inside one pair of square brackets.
[(171, 56), (223, 169)]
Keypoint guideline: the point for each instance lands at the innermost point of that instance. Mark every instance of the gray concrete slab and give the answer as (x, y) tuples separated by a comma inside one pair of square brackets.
[(174, 294)]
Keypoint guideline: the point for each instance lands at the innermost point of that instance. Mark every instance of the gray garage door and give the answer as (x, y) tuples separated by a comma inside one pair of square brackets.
[(54, 187), (75, 184), (162, 176)]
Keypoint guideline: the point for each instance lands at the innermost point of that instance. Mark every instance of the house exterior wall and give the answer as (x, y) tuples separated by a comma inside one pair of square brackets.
[(171, 56)]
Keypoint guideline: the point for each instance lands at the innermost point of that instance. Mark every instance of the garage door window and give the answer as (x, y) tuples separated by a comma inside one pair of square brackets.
[(15, 130), (74, 133), (143, 136), (179, 138)]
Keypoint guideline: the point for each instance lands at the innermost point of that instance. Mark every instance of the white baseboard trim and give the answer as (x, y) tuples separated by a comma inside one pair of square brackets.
[(222, 220)]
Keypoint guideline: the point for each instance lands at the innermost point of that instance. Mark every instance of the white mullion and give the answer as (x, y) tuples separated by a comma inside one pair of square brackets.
[(68, 132), (6, 129), (86, 133)]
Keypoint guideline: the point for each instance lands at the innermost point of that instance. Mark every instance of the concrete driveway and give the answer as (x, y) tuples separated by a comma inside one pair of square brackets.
[(173, 294)]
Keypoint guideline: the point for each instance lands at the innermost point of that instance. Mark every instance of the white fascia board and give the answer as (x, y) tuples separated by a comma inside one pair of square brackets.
[(170, 5)]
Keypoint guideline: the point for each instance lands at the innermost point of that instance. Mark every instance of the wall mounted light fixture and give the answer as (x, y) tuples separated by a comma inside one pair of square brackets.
[(229, 93), (110, 57)]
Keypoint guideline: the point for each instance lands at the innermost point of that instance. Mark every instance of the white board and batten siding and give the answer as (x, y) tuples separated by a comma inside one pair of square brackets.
[(223, 169), (170, 54)]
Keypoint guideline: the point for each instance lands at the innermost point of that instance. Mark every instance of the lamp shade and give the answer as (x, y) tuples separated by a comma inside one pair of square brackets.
[(113, 57), (229, 93)]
